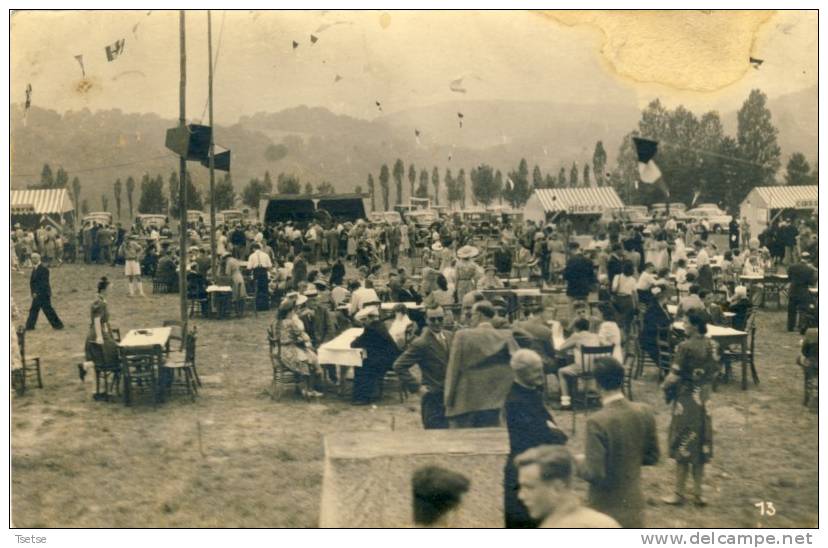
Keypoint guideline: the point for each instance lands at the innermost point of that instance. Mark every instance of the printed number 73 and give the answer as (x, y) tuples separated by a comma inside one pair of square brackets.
[(766, 508)]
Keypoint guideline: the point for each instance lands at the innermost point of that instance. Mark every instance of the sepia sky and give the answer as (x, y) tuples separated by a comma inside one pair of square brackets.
[(407, 59)]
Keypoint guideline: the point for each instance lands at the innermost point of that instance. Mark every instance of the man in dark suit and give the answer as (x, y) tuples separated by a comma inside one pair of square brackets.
[(430, 351), (478, 375), (802, 276), (381, 353), (529, 424), (579, 274), (41, 296), (620, 438)]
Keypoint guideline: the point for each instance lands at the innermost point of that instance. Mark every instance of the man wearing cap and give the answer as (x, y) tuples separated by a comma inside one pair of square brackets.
[(41, 296), (132, 269), (380, 353), (478, 375), (259, 263), (430, 351)]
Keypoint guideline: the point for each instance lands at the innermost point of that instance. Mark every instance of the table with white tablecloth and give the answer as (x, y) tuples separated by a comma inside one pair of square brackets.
[(338, 351)]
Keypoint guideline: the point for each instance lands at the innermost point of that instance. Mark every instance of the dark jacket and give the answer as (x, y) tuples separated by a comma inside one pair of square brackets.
[(431, 356), (381, 350), (526, 421), (39, 282), (620, 438), (654, 318), (801, 276), (580, 277)]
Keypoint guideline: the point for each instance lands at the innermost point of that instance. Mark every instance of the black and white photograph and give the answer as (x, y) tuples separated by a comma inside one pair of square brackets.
[(414, 268)]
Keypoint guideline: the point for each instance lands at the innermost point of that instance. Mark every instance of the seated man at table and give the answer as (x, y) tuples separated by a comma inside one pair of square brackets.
[(381, 351), (689, 302), (363, 295), (712, 309), (582, 311), (580, 337), (166, 270)]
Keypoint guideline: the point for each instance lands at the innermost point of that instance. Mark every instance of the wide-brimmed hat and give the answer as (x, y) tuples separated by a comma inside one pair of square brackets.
[(311, 291), (436, 246), (467, 252), (365, 312)]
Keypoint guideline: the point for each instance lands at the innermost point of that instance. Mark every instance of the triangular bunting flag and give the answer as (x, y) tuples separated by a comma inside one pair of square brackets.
[(79, 58), (295, 44), (314, 39)]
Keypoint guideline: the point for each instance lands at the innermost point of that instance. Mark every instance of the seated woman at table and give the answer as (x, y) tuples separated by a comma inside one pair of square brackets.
[(688, 387), (489, 279), (656, 317), (294, 348), (753, 266), (741, 306), (100, 347), (441, 296), (712, 309), (689, 302)]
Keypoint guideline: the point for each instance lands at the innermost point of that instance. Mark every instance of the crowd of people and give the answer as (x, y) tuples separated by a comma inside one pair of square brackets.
[(484, 355)]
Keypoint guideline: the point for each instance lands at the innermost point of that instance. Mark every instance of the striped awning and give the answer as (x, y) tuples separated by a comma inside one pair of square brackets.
[(43, 201), (579, 200), (789, 197)]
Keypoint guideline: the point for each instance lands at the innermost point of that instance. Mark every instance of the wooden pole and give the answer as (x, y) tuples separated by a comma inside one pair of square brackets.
[(182, 207), (213, 258)]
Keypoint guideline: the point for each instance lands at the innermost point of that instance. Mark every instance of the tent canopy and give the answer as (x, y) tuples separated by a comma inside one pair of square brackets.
[(789, 197), (578, 200), (47, 201)]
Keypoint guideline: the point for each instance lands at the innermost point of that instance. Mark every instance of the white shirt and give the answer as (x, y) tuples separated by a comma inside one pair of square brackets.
[(259, 259), (646, 281), (360, 297), (702, 258), (609, 333), (397, 330)]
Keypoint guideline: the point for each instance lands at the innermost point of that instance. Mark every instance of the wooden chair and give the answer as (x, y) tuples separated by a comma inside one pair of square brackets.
[(140, 368), (746, 358), (31, 364), (583, 397), (162, 286), (107, 373), (629, 370), (181, 369), (176, 335), (282, 376)]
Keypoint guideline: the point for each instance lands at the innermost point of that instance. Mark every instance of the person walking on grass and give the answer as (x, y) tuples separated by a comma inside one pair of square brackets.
[(41, 296)]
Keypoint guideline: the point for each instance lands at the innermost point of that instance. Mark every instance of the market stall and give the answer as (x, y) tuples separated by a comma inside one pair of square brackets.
[(582, 206), (31, 207), (764, 203)]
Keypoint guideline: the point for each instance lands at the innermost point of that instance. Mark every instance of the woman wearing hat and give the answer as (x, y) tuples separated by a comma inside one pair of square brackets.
[(489, 279), (294, 347), (468, 272)]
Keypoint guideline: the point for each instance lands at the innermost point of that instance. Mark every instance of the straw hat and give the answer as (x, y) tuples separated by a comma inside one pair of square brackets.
[(467, 252), (436, 246), (366, 312)]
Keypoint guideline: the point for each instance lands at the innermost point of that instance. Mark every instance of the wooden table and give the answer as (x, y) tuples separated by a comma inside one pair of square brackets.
[(137, 338), (219, 297), (727, 336)]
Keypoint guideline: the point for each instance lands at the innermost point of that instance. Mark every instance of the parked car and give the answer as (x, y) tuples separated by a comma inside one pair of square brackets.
[(100, 217), (390, 217), (152, 219), (716, 218)]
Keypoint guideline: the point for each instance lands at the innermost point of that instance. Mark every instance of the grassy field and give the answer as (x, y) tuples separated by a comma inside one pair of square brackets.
[(234, 458)]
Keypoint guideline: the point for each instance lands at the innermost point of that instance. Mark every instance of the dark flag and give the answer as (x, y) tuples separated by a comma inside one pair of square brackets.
[(314, 39), (647, 169), (460, 118), (79, 58), (28, 96), (295, 44), (115, 50)]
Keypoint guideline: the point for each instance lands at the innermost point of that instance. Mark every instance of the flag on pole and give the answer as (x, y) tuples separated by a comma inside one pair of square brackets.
[(79, 59), (379, 105), (460, 118), (295, 44), (113, 51), (313, 39), (647, 169), (28, 96)]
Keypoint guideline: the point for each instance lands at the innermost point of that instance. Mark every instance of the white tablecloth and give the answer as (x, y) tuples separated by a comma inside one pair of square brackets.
[(339, 352), (147, 337), (219, 289), (714, 331)]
